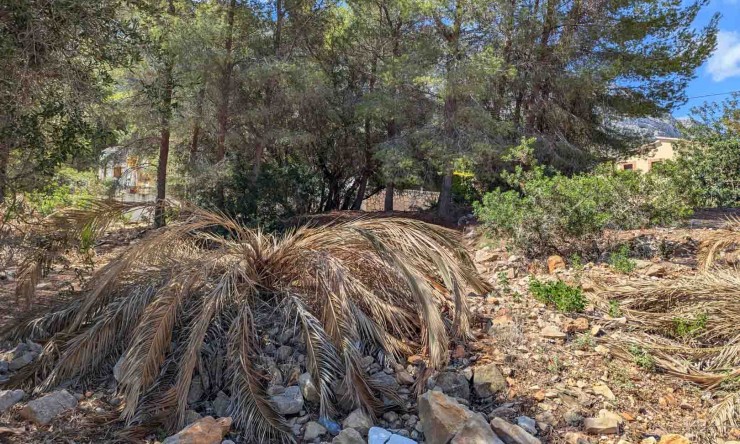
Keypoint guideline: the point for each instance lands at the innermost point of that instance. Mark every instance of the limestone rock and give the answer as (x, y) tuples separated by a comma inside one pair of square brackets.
[(8, 398), (488, 380), (512, 434), (313, 431), (528, 424), (672, 438), (46, 408), (605, 391), (552, 332), (289, 402), (555, 263), (347, 436), (204, 431), (308, 389), (21, 361), (378, 435), (441, 417), (221, 404), (601, 425), (359, 421), (453, 384), (476, 431), (196, 390)]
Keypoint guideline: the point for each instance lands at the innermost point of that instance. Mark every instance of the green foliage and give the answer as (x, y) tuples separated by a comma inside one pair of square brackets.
[(641, 357), (584, 341), (689, 328), (614, 310), (68, 188), (620, 260), (563, 296), (555, 213)]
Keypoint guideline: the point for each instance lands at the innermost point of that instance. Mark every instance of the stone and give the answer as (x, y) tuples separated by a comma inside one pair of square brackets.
[(290, 402), (572, 418), (476, 431), (576, 325), (284, 353), (441, 417), (575, 438), (196, 390), (313, 431), (453, 384), (308, 389), (512, 434), (382, 379), (527, 424), (21, 361), (486, 255), (329, 424), (44, 409), (359, 421), (488, 380), (221, 404), (555, 263), (672, 438), (191, 416), (206, 430), (378, 435), (9, 398), (601, 426), (348, 436), (605, 391), (398, 439), (227, 441), (117, 369), (404, 378), (3, 366), (552, 332)]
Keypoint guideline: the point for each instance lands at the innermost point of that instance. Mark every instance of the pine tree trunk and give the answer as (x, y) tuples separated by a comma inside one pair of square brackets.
[(164, 138), (360, 196), (196, 127), (390, 190), (4, 160), (225, 89)]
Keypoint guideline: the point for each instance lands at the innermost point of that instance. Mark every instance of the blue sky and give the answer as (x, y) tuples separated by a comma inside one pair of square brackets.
[(721, 73)]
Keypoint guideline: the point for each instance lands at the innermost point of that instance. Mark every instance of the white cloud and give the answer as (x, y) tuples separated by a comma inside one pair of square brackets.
[(725, 62)]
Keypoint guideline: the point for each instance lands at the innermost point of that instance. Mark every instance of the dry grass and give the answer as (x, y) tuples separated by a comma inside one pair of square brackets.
[(727, 237), (387, 287)]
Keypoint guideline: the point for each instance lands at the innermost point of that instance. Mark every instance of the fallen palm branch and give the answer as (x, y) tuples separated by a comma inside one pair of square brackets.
[(714, 243), (354, 288), (61, 231), (686, 328)]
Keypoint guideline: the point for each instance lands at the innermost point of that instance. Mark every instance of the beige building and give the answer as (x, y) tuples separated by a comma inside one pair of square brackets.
[(652, 153)]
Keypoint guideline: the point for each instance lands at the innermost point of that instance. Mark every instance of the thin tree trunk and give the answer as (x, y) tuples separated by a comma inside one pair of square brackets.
[(164, 138), (4, 159), (257, 167), (225, 90), (196, 127), (390, 190), (360, 196)]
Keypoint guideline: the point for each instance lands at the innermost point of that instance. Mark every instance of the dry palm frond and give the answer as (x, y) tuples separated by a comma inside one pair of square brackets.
[(354, 288), (726, 414), (711, 245), (62, 230)]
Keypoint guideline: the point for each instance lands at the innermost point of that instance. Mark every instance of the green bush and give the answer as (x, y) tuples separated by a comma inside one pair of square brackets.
[(68, 188), (620, 260), (563, 296), (553, 213), (688, 328)]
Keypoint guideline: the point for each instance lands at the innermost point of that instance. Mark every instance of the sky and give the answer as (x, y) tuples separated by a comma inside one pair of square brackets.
[(721, 73)]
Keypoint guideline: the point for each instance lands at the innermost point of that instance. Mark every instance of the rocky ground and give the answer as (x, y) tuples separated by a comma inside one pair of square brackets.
[(530, 375)]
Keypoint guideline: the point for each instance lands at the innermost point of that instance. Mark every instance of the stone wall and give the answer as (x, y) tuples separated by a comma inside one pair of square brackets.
[(403, 200)]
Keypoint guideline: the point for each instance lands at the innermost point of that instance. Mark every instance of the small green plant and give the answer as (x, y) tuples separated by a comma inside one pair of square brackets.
[(620, 260), (618, 374), (576, 262), (503, 280), (516, 296), (584, 341), (614, 310), (554, 366), (689, 328), (563, 296), (642, 357)]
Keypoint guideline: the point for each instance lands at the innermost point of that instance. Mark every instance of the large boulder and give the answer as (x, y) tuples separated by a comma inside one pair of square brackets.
[(512, 434), (8, 398), (44, 409), (204, 431), (441, 416), (476, 431), (488, 380), (453, 384)]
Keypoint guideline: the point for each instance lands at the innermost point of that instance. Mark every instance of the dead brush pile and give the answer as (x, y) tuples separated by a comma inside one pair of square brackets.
[(686, 327), (380, 287)]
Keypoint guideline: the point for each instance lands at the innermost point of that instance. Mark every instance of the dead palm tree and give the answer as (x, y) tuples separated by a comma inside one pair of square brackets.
[(388, 287)]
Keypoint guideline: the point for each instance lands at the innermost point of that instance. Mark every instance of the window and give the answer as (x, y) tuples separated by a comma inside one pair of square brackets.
[(628, 166), (117, 172), (655, 162)]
